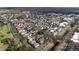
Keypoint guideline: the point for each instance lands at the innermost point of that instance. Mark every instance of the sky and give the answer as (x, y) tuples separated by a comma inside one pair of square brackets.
[(39, 3)]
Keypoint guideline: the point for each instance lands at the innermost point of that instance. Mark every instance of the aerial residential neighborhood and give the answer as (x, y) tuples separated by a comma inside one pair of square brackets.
[(39, 29)]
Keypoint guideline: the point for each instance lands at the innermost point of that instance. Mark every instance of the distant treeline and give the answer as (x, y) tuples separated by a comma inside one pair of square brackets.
[(47, 9)]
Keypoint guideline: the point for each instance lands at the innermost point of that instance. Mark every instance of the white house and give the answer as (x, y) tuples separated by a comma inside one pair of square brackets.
[(63, 24), (75, 37), (54, 29), (32, 41)]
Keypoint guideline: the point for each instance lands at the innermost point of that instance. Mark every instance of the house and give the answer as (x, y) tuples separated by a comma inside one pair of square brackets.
[(32, 41), (63, 24), (54, 29), (75, 37), (69, 20)]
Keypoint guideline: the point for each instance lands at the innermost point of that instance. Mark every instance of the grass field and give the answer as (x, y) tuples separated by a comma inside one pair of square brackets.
[(4, 33)]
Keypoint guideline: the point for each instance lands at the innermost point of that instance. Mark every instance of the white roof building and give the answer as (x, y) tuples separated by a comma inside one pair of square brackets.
[(75, 37), (54, 29), (32, 41), (63, 24), (68, 19)]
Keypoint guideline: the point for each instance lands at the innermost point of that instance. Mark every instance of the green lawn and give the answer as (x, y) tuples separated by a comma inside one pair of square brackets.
[(4, 33)]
